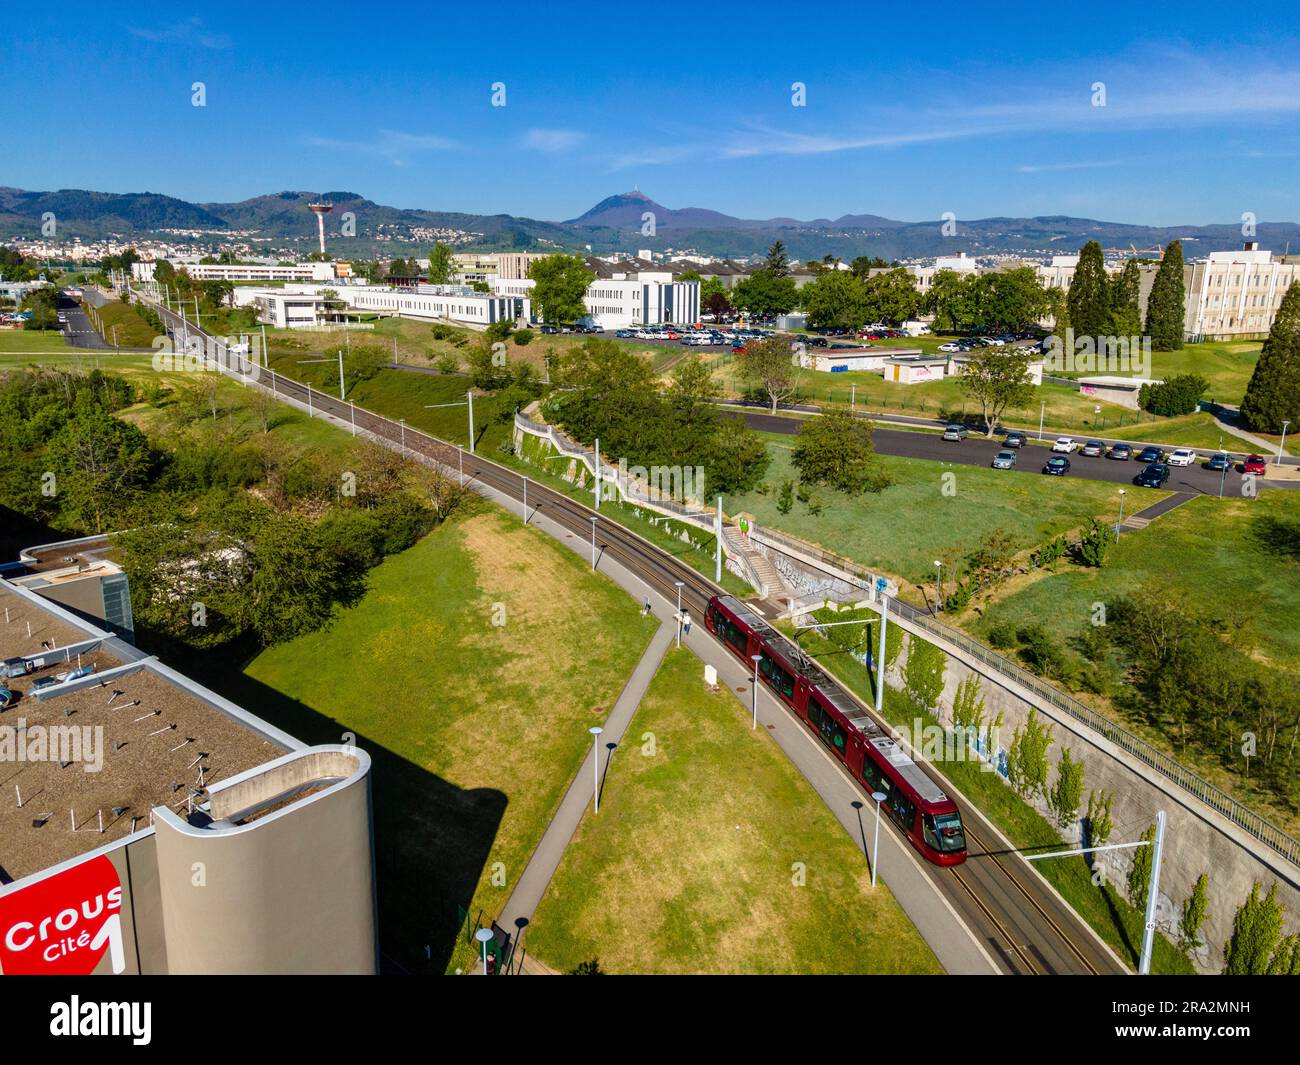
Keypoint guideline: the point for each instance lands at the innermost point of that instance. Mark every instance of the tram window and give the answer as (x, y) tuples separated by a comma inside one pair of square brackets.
[(872, 775), (902, 809), (730, 631), (948, 829), (778, 677), (831, 732)]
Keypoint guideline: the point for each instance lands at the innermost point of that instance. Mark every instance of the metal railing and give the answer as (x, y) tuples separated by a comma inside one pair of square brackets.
[(629, 488)]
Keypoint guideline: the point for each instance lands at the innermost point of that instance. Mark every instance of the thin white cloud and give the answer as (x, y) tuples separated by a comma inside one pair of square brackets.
[(553, 140), (1095, 164), (393, 145), (191, 32)]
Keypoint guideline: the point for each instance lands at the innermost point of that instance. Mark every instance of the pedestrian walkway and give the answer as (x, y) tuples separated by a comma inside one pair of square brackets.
[(536, 877), (1143, 517)]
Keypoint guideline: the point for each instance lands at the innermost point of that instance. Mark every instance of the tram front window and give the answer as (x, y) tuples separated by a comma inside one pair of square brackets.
[(944, 832)]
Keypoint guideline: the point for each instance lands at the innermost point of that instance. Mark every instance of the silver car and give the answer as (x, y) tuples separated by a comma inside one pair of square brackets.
[(1004, 460)]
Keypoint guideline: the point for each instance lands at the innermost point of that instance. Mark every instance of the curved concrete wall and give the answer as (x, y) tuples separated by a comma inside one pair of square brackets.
[(291, 890)]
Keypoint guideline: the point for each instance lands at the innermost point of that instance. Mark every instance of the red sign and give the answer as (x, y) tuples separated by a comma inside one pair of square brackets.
[(62, 925)]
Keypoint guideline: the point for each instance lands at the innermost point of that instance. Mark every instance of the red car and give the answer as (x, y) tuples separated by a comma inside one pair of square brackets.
[(1254, 464)]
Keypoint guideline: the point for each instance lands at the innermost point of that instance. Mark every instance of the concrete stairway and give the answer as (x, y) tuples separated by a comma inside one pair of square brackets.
[(770, 583)]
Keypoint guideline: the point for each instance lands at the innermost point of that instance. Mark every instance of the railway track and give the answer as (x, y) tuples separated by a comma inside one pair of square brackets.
[(1027, 926)]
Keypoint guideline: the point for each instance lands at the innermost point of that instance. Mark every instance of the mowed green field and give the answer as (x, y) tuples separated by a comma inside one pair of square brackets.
[(16, 341), (1210, 552), (694, 863), (471, 671), (903, 529)]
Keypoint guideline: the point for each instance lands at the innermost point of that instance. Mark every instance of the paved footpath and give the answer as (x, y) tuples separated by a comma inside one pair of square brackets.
[(546, 858)]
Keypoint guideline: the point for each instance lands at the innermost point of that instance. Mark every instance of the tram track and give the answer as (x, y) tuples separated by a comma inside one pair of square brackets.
[(1008, 907)]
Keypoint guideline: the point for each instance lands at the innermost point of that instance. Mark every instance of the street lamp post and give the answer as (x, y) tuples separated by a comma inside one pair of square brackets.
[(402, 423), (1282, 444), (1120, 524), (470, 396), (754, 683), (880, 661), (938, 581), (484, 937), (879, 797), (1042, 411), (595, 731), (679, 611)]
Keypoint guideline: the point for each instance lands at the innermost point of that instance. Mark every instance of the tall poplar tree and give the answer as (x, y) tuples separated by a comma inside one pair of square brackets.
[(1089, 297), (1273, 395), (1165, 312), (1125, 306)]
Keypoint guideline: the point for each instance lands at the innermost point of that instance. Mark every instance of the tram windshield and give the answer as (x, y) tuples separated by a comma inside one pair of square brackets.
[(944, 832)]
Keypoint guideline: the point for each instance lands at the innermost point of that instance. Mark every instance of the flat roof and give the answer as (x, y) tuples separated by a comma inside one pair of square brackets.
[(137, 738)]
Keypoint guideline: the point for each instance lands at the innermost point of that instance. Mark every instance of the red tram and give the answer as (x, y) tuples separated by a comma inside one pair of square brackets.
[(916, 803)]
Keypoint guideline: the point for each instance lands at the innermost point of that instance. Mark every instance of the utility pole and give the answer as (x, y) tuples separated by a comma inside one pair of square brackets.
[(341, 397), (597, 467), (470, 394)]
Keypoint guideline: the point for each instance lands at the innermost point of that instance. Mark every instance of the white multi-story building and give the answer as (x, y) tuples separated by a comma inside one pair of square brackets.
[(144, 271), (1234, 295), (625, 300), (296, 306)]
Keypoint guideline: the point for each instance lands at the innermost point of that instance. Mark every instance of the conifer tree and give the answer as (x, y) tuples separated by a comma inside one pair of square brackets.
[(1165, 312), (1273, 395), (1089, 297)]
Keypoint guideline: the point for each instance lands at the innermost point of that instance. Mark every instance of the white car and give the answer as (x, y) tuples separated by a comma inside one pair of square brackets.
[(950, 346), (1065, 444), (1182, 456)]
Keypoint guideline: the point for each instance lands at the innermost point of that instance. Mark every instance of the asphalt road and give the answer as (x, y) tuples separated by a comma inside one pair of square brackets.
[(977, 451), (78, 330)]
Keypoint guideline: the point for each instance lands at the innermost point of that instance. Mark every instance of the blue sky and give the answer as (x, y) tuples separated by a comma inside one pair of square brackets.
[(910, 111)]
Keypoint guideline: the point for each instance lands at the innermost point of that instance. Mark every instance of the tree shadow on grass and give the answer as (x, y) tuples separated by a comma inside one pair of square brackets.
[(1276, 536)]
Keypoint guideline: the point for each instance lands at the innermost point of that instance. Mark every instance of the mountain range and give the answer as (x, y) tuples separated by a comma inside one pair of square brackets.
[(281, 221)]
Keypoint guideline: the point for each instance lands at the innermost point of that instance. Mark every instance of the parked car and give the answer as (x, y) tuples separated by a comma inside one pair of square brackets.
[(1120, 451), (1154, 476), (1150, 455), (950, 346), (1065, 444), (550, 330), (1014, 439), (1093, 449), (1004, 460), (1057, 466), (624, 334), (1182, 456), (956, 432), (1218, 461), (1254, 464)]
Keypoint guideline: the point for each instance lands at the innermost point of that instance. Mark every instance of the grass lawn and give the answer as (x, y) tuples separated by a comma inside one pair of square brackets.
[(903, 529), (412, 341), (477, 727), (688, 868), (132, 331), (1105, 908), (35, 340)]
